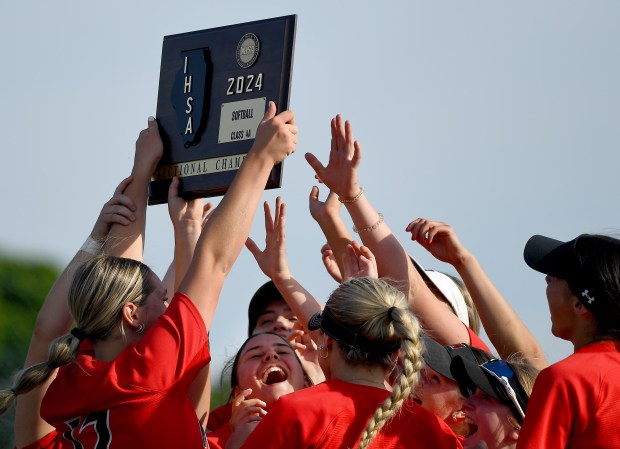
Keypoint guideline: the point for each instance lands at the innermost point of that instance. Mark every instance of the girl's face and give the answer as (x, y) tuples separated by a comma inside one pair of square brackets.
[(277, 318), (490, 421), (561, 306), (156, 302), (269, 366), (441, 396)]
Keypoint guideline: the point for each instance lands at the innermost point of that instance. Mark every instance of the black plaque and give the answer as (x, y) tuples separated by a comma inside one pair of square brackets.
[(214, 88)]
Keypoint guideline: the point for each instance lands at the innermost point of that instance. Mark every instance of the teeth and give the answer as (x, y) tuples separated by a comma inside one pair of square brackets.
[(472, 426), (273, 369)]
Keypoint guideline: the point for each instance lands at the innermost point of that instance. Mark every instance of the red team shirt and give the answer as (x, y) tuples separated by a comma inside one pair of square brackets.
[(139, 399), (334, 413), (574, 404)]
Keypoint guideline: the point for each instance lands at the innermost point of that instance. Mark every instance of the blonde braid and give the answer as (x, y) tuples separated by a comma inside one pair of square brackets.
[(100, 288), (407, 326), (62, 351)]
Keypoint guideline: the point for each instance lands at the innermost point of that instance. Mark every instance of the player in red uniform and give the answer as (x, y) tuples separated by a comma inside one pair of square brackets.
[(497, 401), (576, 402), (134, 391), (265, 368), (362, 329)]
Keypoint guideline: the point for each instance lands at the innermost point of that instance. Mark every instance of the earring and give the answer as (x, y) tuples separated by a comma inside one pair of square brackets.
[(323, 352), (141, 328), (455, 416)]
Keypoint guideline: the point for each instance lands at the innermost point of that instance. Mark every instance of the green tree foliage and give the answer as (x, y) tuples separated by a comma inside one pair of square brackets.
[(23, 288)]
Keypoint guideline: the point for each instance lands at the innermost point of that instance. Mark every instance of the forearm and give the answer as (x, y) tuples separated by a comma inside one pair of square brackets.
[(502, 324), (224, 235), (375, 233), (128, 241), (337, 236), (301, 302), (186, 237), (54, 319)]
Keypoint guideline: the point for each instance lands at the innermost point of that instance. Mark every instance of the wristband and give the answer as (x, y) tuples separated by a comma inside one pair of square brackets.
[(91, 246)]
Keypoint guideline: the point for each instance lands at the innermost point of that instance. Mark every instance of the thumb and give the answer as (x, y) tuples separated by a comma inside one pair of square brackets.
[(253, 247), (270, 112), (173, 190), (315, 164), (314, 194), (153, 128)]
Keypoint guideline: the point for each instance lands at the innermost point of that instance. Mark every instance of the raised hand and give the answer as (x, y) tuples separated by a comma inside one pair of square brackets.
[(276, 135), (358, 261), (322, 210), (183, 212), (308, 353), (329, 260), (246, 410), (272, 260), (340, 174), (149, 147), (439, 239), (119, 209)]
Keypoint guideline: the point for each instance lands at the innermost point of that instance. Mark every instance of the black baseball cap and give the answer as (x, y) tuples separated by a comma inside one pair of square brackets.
[(265, 295), (576, 261), (439, 357)]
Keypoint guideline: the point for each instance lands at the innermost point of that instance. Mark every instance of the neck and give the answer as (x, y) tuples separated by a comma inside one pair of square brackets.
[(373, 376), (108, 349), (367, 382)]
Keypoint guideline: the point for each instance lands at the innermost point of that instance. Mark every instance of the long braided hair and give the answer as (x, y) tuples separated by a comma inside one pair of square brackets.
[(379, 313)]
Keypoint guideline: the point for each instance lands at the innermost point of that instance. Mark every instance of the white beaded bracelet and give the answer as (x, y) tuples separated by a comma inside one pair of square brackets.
[(369, 228)]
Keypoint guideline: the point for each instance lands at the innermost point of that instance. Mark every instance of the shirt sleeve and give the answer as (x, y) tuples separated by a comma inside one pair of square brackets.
[(476, 341), (548, 417), (275, 431), (173, 350)]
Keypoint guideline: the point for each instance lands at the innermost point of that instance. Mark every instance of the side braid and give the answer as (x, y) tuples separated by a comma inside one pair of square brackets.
[(62, 351), (411, 347)]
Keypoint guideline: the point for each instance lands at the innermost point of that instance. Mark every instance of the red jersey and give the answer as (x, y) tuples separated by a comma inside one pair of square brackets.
[(50, 441), (219, 416), (219, 427), (139, 399), (575, 403), (476, 341), (334, 413)]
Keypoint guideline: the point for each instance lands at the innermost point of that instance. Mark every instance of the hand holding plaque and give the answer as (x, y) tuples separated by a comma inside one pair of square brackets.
[(277, 134), (214, 88)]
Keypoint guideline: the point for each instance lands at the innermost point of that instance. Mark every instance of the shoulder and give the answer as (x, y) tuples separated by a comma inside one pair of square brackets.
[(417, 427)]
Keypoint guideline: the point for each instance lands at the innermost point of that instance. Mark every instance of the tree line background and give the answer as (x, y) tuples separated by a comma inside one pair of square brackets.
[(24, 284)]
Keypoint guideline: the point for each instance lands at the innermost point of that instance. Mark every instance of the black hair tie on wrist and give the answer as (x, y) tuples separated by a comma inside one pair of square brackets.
[(390, 313), (78, 333)]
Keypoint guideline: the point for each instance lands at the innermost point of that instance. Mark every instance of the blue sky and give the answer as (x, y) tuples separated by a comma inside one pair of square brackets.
[(500, 118)]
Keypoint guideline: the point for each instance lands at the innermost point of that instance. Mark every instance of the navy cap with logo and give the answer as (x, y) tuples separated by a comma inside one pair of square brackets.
[(496, 378)]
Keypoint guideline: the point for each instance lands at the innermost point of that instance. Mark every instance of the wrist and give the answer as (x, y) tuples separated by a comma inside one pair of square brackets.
[(187, 227), (282, 278), (258, 154), (463, 260), (91, 246), (353, 197)]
